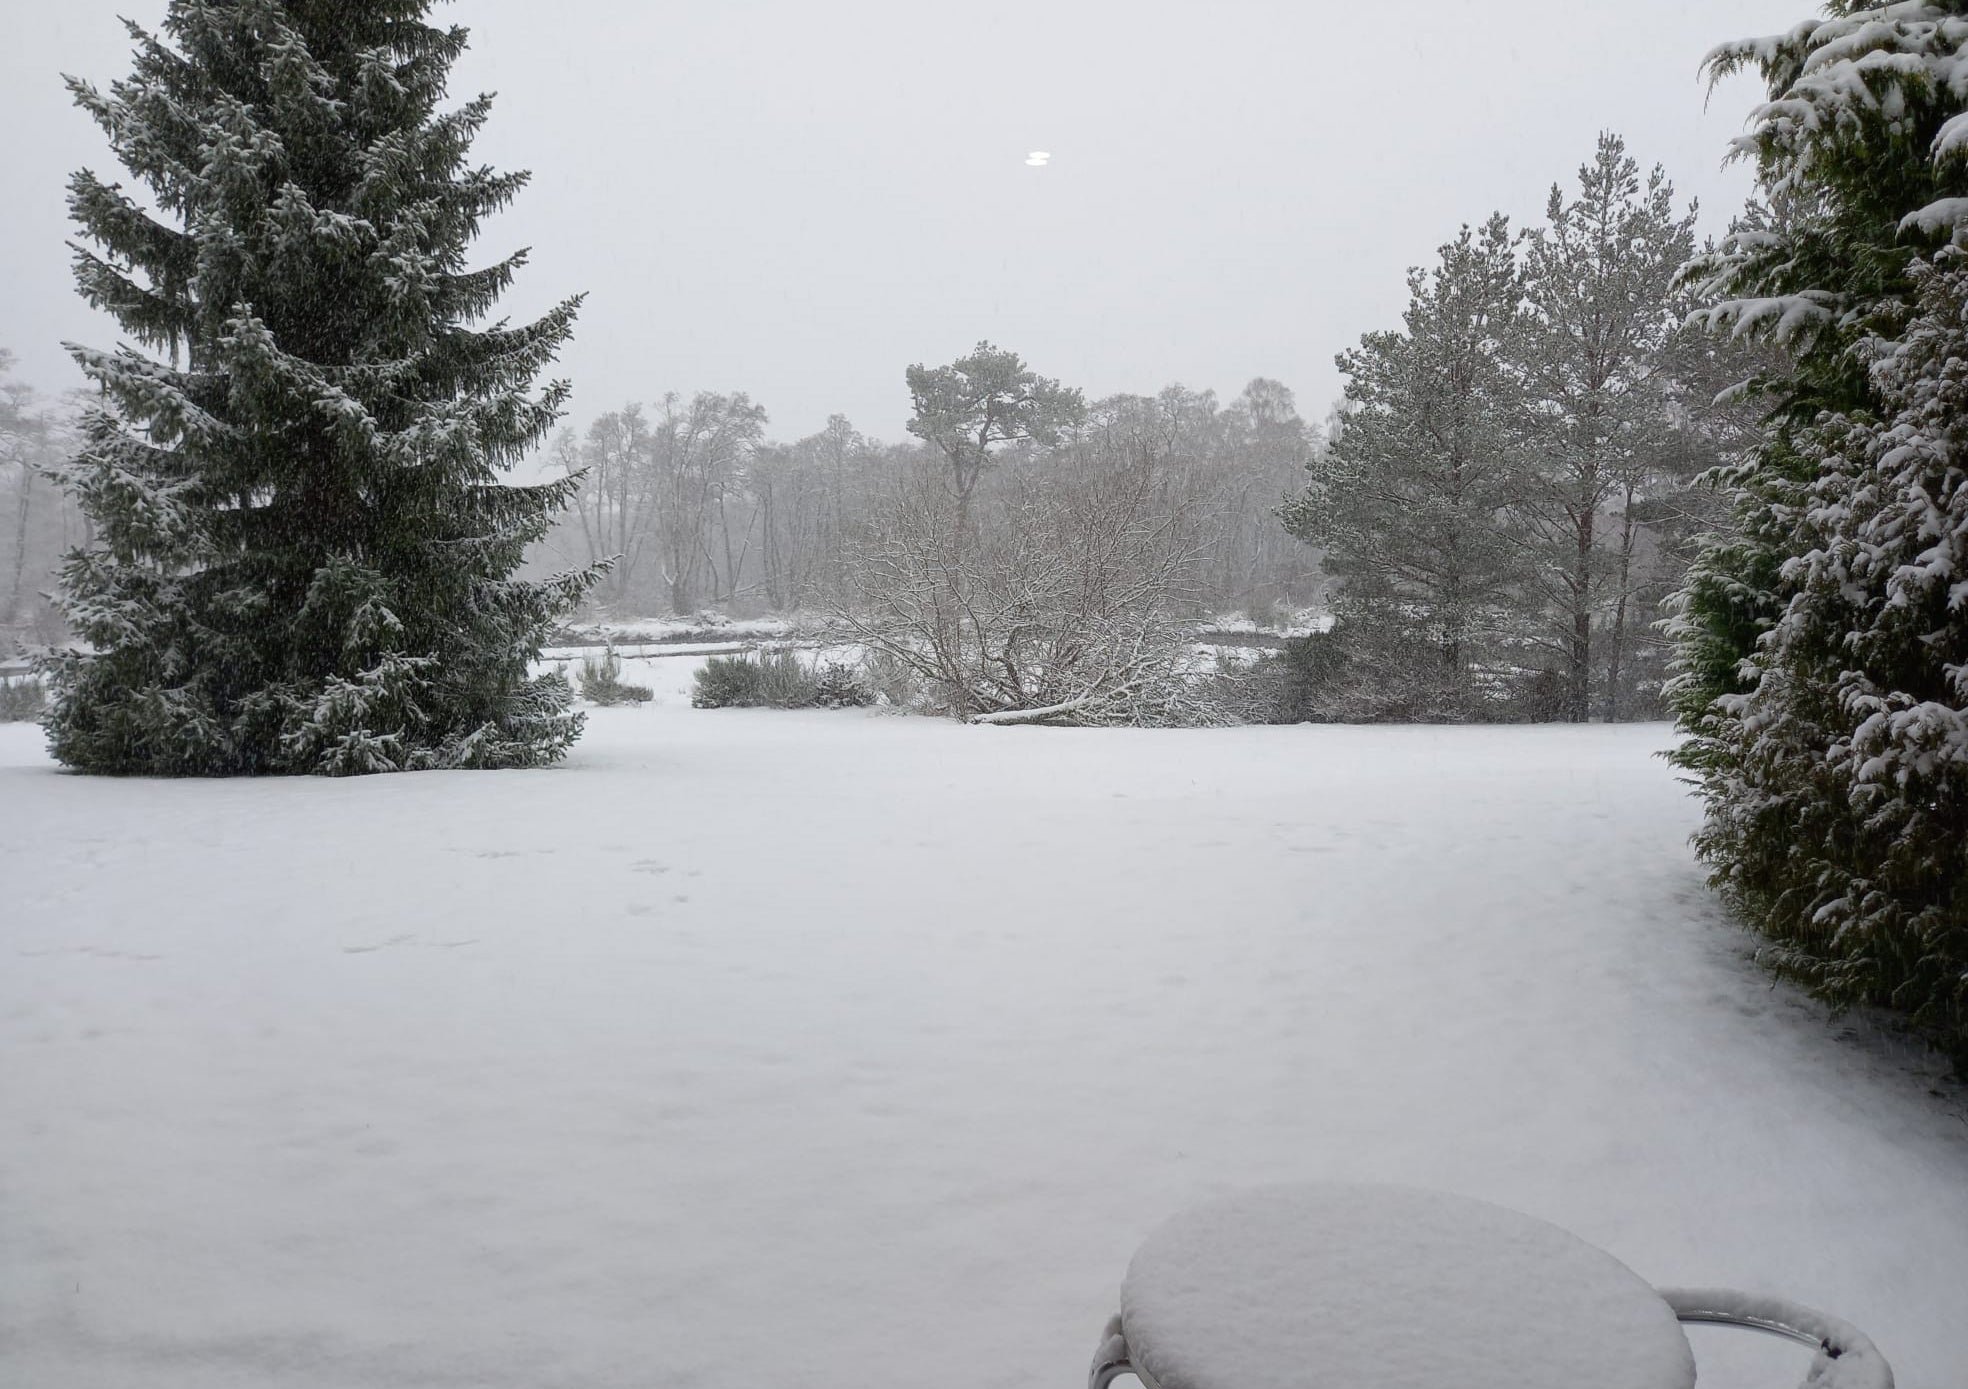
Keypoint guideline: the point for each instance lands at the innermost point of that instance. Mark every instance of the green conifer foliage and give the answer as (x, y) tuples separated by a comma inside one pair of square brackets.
[(304, 560), (1820, 640), (1838, 794), (1859, 165), (1404, 503)]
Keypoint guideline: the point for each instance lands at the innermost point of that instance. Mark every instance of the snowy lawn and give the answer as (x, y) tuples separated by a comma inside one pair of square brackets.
[(836, 1049)]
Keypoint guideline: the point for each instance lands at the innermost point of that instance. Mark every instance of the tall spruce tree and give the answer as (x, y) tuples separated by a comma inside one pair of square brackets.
[(1819, 639), (304, 558)]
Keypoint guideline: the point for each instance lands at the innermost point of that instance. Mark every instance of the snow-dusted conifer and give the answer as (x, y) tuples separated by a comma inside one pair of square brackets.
[(304, 560), (1859, 161), (1839, 806), (1820, 639)]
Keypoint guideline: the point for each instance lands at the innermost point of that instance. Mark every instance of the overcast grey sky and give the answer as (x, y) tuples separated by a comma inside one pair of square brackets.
[(798, 199)]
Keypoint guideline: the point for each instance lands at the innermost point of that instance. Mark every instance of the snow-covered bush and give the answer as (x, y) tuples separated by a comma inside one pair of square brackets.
[(1372, 667), (784, 682), (601, 682), (726, 682), (778, 680), (21, 699), (841, 685)]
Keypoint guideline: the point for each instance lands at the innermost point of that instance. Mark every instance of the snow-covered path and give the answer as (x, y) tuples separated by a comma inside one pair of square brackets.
[(834, 1049)]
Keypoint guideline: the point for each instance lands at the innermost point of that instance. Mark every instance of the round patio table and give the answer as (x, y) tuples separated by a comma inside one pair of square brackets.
[(1385, 1287)]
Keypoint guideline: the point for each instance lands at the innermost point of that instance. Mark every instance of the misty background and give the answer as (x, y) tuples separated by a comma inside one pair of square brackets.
[(797, 201)]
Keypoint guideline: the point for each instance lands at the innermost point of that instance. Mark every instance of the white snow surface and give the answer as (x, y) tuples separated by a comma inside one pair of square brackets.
[(1396, 1287), (840, 1048), (705, 625), (1302, 622)]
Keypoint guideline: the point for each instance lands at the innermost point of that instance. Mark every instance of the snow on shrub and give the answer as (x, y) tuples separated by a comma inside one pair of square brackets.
[(601, 682), (779, 680)]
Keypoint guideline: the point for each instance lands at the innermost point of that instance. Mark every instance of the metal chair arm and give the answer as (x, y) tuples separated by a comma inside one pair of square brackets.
[(1846, 1357), (1110, 1362)]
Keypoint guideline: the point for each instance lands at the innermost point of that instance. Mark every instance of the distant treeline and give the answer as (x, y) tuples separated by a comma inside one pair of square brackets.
[(701, 510), (38, 521)]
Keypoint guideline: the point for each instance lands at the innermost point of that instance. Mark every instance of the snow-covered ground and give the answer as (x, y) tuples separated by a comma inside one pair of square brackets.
[(703, 627), (844, 1049), (1297, 622)]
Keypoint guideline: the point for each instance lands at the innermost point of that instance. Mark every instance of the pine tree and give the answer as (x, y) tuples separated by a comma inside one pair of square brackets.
[(304, 559), (1405, 501), (1820, 638), (1598, 282)]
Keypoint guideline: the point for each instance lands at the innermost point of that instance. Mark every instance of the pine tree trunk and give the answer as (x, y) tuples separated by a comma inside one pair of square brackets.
[(950, 604), (1452, 632), (1581, 652)]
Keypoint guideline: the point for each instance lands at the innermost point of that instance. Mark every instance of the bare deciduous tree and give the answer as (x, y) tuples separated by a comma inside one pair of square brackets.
[(38, 523), (701, 511), (1069, 606), (701, 453), (616, 504)]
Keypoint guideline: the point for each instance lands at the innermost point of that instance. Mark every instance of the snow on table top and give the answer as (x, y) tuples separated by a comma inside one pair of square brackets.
[(1388, 1287)]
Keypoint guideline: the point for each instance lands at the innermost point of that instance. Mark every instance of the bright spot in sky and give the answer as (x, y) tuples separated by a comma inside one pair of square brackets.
[(1037, 158)]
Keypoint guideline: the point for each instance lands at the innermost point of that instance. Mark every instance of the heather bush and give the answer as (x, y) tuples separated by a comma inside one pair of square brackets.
[(601, 682)]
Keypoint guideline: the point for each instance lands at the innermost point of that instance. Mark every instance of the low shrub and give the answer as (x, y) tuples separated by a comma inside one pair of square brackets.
[(22, 700), (841, 685), (1356, 673), (601, 681), (779, 680), (784, 683), (726, 682)]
